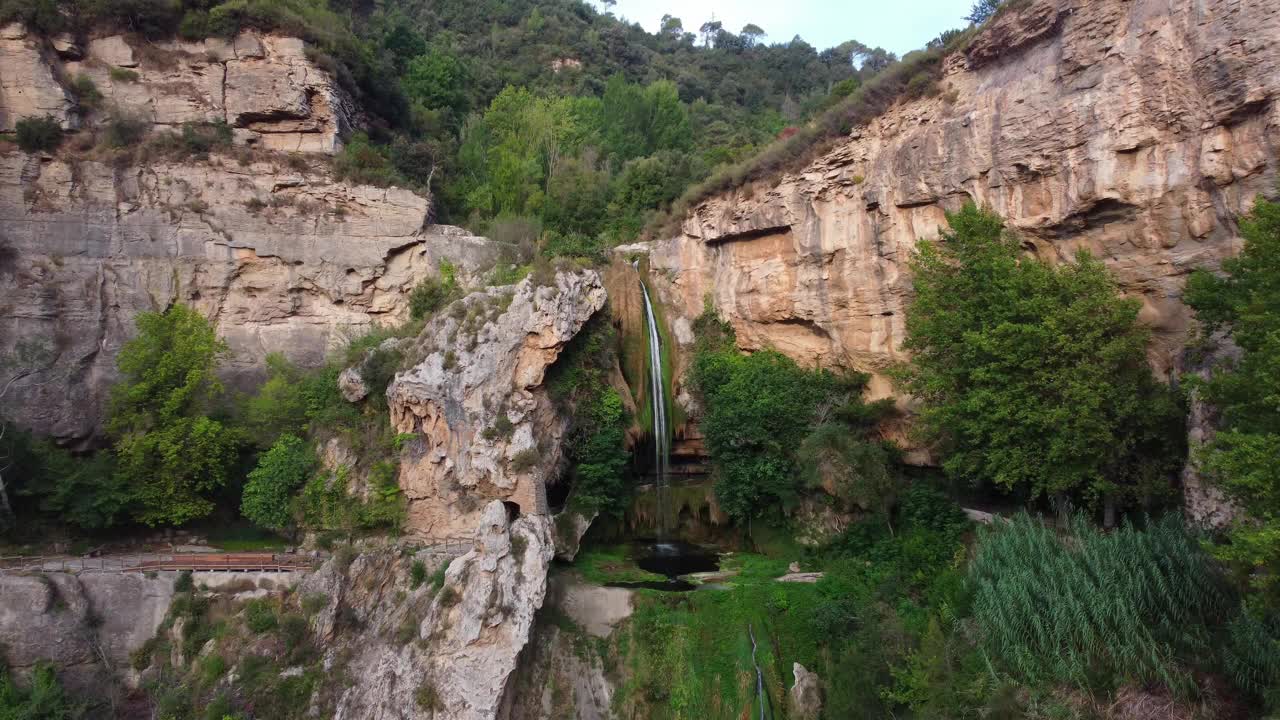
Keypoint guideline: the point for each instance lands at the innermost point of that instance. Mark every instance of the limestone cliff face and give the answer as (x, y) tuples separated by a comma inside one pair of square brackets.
[(87, 624), (264, 86), (475, 398), (1138, 129), (423, 652), (278, 254)]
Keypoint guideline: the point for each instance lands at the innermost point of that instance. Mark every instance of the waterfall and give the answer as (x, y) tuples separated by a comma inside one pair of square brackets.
[(657, 396)]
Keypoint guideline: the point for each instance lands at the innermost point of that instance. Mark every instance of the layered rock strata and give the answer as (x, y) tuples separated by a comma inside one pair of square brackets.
[(280, 255), (281, 259), (264, 86), (475, 400), (1138, 130)]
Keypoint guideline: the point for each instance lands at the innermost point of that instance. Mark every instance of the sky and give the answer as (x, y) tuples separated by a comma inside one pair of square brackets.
[(900, 26)]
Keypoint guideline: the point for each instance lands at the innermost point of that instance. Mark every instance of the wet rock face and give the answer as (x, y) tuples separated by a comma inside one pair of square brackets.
[(475, 400), (1138, 130)]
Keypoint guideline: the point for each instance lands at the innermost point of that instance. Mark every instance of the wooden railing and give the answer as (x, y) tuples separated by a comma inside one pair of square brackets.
[(160, 562)]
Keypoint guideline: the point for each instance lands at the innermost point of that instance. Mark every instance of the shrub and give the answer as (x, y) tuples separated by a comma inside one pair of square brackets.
[(183, 582), (270, 487), (212, 667), (313, 603), (43, 134), (525, 460), (417, 574), (120, 74), (427, 697), (259, 616), (433, 293), (123, 130), (86, 92), (437, 577), (200, 138), (293, 628), (364, 163)]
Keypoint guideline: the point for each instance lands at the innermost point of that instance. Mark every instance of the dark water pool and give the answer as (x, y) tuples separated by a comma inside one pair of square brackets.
[(672, 559)]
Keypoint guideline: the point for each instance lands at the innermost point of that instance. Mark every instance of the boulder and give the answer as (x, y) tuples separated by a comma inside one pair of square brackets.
[(806, 694)]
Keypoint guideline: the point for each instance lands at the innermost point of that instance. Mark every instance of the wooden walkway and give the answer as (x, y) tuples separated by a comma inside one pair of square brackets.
[(163, 562)]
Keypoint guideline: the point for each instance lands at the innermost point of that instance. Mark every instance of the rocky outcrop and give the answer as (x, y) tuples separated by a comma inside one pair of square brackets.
[(88, 624), (806, 694), (28, 84), (264, 86), (278, 254), (282, 259), (474, 395), (434, 653), (1137, 129), (568, 669), (84, 625)]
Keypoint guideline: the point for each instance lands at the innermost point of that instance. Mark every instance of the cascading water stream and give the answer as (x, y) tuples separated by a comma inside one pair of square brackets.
[(657, 395)]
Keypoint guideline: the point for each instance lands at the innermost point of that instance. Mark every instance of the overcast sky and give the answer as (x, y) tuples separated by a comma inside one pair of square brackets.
[(900, 26)]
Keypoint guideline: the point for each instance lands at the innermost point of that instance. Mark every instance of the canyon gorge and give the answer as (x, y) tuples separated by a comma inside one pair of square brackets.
[(1137, 130)]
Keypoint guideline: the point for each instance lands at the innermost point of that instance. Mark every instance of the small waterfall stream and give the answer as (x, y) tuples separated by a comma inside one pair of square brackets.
[(657, 395)]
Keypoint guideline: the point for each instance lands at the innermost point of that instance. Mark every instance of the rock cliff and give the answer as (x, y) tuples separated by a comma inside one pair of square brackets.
[(280, 255), (428, 652), (475, 399), (1137, 129), (87, 624), (264, 86)]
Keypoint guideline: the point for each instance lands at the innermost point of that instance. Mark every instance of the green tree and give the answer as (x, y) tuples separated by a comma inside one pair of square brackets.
[(437, 79), (169, 453), (759, 408), (1034, 376), (1242, 458), (84, 492), (281, 471), (983, 10), (277, 407)]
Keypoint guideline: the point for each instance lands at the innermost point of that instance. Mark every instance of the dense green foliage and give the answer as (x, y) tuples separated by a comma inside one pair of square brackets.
[(41, 134), (169, 452), (1096, 607), (770, 425), (759, 408), (85, 493), (182, 446), (880, 595), (43, 699), (599, 473), (271, 485), (1034, 376), (1242, 457), (547, 111)]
